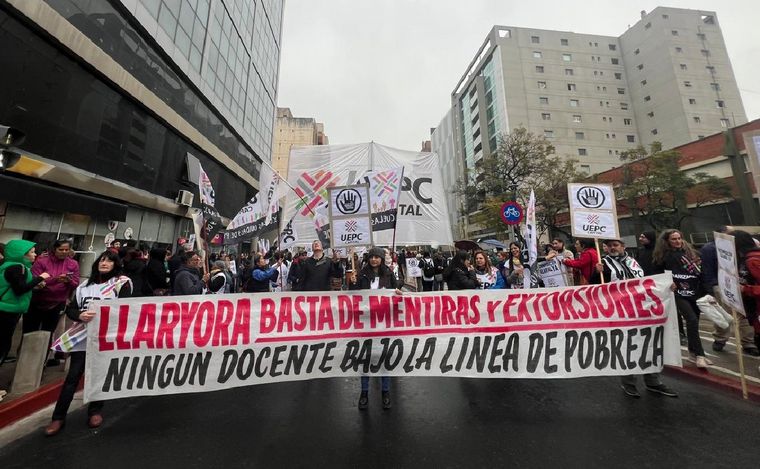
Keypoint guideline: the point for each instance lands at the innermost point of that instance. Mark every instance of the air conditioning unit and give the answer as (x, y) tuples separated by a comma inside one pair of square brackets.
[(185, 198)]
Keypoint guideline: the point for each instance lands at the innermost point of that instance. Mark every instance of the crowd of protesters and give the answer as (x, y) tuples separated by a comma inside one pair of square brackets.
[(42, 289)]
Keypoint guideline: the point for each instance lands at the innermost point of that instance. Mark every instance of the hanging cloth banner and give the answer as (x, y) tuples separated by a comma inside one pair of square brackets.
[(208, 199), (422, 214), (250, 222), (531, 239), (384, 193), (169, 345)]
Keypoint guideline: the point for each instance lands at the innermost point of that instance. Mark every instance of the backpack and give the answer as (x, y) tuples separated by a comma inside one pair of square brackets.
[(429, 270)]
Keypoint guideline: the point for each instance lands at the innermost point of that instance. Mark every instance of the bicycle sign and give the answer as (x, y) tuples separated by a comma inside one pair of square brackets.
[(512, 213)]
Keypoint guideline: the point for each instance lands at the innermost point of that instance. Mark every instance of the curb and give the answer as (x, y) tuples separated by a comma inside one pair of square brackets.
[(29, 403), (729, 385)]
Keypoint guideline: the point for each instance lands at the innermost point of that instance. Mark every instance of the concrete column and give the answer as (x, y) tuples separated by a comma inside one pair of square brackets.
[(31, 362)]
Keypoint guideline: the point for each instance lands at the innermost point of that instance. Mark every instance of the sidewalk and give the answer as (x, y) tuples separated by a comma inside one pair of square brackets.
[(724, 372)]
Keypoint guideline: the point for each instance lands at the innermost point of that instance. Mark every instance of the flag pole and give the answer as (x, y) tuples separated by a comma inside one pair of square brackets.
[(395, 222)]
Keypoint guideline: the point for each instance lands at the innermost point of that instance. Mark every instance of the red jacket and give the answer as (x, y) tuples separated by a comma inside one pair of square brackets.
[(752, 263), (586, 263)]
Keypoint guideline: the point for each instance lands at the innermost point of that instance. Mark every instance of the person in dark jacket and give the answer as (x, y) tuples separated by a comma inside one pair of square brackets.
[(317, 270), (460, 275), (156, 272), (373, 276), (188, 280), (262, 274), (134, 268), (16, 284), (105, 283), (176, 261), (673, 253), (647, 241)]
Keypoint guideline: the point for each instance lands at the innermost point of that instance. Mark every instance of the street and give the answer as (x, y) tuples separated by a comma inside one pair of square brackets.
[(435, 422)]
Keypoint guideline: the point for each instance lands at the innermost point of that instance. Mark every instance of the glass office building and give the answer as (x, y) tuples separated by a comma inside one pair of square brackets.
[(122, 100)]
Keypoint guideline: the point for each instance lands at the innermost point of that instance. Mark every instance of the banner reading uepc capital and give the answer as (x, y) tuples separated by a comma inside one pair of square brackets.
[(149, 346)]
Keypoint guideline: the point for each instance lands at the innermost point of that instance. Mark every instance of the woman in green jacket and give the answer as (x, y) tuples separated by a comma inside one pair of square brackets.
[(16, 284)]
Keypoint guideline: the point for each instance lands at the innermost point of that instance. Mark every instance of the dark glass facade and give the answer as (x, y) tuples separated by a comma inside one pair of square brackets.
[(71, 115)]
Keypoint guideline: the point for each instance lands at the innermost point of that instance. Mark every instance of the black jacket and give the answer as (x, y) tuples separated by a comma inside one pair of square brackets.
[(187, 281), (155, 271), (644, 258), (366, 275), (459, 279), (315, 275)]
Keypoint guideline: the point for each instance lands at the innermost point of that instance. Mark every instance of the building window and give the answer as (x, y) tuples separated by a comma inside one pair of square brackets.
[(618, 76), (679, 50), (705, 53), (654, 131), (577, 118), (640, 66), (582, 152), (700, 137), (687, 84), (624, 106), (567, 57), (724, 123), (569, 72), (614, 61), (571, 87), (585, 169), (665, 17), (627, 121), (674, 32), (621, 90), (539, 69), (573, 103), (601, 103), (710, 68), (604, 118), (612, 46), (580, 135), (636, 52), (647, 98), (720, 103), (631, 138), (537, 54), (650, 113), (541, 84), (543, 100), (549, 133), (701, 36), (692, 101), (715, 86), (535, 40), (684, 67), (643, 83), (708, 19), (697, 120), (546, 116), (563, 42), (648, 25)]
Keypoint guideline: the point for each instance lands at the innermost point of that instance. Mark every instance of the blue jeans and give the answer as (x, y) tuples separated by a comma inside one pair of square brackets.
[(385, 383)]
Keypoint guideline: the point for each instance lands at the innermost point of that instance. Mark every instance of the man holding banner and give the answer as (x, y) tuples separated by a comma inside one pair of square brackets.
[(618, 266)]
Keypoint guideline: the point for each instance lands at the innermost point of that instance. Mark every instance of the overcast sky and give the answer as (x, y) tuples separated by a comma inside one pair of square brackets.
[(384, 70)]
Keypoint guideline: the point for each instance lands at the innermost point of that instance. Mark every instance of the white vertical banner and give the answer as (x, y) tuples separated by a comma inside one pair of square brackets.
[(728, 271), (531, 238)]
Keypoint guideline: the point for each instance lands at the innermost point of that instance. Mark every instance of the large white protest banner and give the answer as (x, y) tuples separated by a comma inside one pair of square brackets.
[(421, 206), (165, 345)]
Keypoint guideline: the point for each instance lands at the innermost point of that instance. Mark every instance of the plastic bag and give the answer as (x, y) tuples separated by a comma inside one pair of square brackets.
[(712, 310)]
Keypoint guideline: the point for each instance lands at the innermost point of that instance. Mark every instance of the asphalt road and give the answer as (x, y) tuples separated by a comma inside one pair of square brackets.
[(435, 422)]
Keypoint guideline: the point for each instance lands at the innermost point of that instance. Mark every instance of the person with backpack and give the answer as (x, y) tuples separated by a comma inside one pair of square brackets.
[(428, 272)]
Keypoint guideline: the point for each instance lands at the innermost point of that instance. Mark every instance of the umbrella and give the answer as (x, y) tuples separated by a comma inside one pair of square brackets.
[(467, 245), (492, 243)]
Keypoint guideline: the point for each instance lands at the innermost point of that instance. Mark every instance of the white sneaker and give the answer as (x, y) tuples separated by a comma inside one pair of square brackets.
[(702, 362)]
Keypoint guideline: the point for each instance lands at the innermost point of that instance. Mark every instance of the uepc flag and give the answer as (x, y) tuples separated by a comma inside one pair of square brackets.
[(208, 199)]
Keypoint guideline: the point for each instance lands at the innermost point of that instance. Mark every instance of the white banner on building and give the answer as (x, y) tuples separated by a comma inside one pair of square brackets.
[(170, 345), (422, 211)]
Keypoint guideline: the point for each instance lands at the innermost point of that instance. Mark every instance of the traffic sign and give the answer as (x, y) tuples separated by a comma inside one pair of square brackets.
[(512, 213)]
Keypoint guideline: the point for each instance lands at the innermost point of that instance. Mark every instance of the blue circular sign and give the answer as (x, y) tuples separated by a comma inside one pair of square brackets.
[(512, 213)]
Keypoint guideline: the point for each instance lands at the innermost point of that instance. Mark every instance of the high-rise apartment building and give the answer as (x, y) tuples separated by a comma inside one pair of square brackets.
[(292, 132), (122, 101), (667, 79)]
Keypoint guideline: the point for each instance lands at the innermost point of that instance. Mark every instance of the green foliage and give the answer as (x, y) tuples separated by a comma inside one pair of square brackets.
[(522, 161), (657, 192)]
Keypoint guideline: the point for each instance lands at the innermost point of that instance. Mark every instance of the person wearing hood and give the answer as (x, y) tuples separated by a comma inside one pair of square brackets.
[(647, 241), (16, 284), (618, 266), (157, 272), (134, 268), (375, 275)]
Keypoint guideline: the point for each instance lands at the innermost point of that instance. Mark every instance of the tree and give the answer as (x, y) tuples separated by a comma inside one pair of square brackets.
[(522, 161), (658, 192)]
